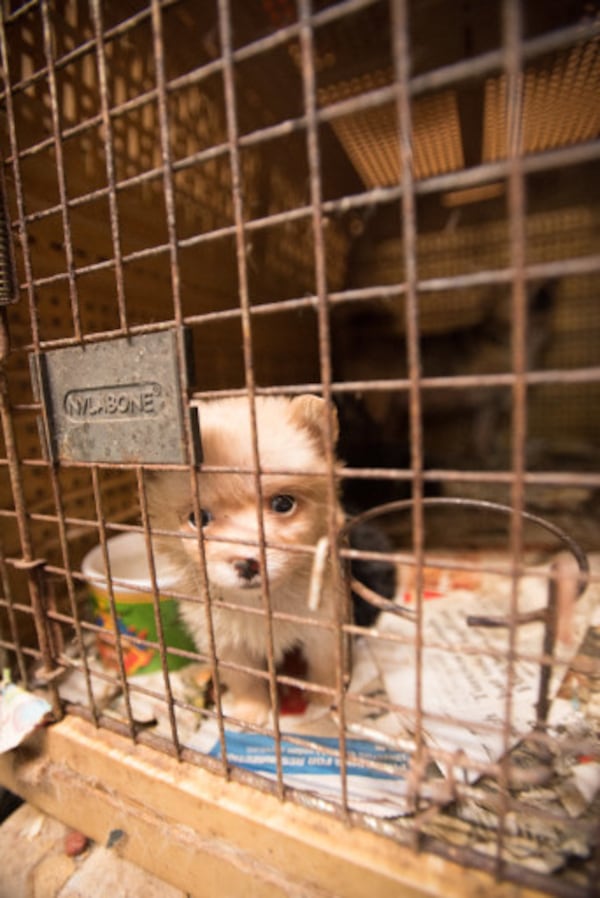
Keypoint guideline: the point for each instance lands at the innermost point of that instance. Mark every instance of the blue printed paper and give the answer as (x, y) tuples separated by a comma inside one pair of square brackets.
[(257, 753)]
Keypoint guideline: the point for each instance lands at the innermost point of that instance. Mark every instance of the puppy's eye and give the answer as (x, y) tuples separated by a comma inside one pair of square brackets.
[(283, 504), (206, 518)]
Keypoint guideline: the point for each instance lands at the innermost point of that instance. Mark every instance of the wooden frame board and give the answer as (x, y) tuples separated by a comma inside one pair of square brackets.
[(208, 836)]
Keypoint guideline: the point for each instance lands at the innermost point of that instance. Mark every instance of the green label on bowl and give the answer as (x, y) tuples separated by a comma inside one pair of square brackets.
[(137, 625)]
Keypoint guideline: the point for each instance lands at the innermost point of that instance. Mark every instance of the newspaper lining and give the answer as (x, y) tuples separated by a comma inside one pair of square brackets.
[(463, 697)]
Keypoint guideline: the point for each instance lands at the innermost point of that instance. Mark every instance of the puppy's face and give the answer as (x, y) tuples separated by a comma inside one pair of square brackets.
[(293, 491), (293, 515)]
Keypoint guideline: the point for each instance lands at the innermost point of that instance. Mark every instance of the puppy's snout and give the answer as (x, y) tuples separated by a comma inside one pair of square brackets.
[(247, 568)]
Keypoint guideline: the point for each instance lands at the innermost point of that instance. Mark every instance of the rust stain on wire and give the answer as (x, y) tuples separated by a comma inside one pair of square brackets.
[(60, 167), (309, 91), (226, 37), (109, 150), (402, 64)]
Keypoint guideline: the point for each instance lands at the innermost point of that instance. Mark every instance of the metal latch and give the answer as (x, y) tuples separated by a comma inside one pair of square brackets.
[(117, 401)]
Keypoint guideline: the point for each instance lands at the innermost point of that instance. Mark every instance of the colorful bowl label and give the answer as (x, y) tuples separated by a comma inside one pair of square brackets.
[(137, 625)]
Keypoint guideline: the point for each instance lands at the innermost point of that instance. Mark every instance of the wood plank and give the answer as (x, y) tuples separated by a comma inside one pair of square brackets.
[(208, 836)]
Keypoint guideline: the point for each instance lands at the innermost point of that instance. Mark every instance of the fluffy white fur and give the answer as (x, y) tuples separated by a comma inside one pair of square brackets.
[(292, 435)]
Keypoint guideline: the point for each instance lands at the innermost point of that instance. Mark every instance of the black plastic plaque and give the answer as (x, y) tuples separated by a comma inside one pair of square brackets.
[(115, 401)]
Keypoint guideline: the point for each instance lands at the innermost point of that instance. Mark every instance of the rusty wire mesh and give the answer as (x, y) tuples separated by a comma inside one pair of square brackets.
[(244, 173)]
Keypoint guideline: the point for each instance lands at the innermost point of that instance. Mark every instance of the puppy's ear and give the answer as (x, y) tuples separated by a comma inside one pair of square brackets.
[(311, 412)]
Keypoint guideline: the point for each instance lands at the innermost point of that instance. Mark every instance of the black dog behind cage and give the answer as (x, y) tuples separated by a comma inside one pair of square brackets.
[(393, 205)]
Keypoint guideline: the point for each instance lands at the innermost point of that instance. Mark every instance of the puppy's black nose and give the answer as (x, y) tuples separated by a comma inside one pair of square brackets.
[(247, 568)]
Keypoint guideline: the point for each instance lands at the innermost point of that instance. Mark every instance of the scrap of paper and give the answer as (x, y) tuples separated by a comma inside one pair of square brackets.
[(20, 713)]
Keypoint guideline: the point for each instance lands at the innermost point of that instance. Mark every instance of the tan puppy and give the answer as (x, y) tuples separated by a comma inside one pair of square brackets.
[(291, 439)]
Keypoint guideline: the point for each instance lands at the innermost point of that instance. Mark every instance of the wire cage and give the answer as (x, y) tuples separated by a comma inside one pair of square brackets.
[(391, 205)]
